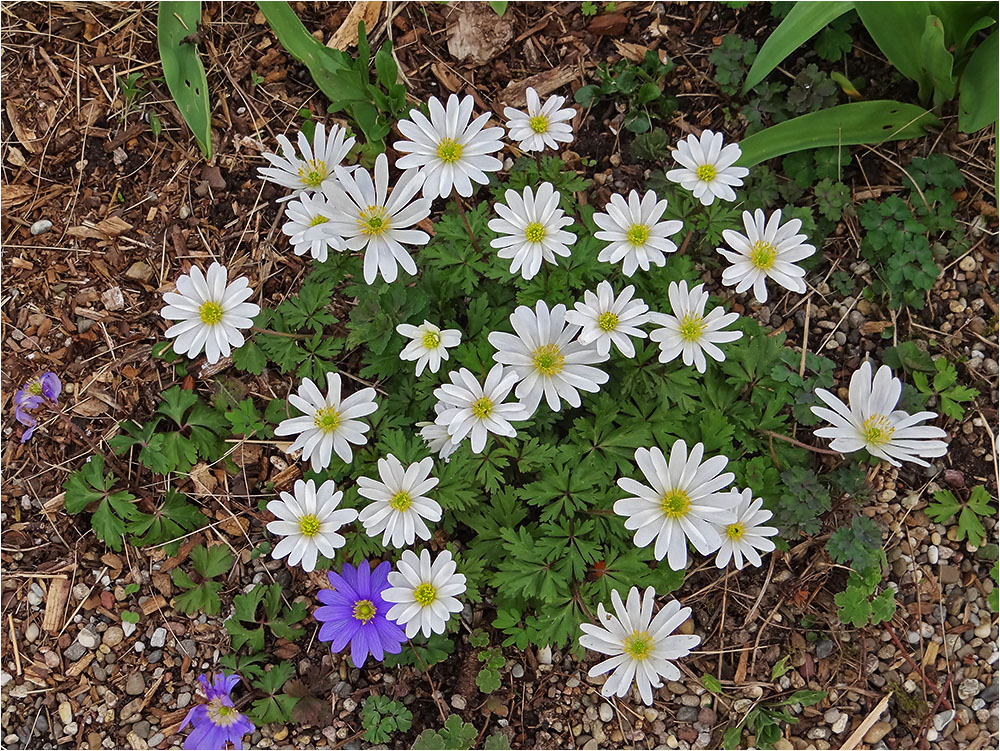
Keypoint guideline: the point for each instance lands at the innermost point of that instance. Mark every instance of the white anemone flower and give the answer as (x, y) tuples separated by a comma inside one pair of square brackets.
[(428, 344), (210, 313), (308, 520), (606, 319), (314, 170), (636, 235), (743, 537), (682, 502), (380, 224), (546, 359), (768, 250), (530, 229), (476, 411), (436, 436), (542, 125), (641, 646), (424, 592), (707, 167), (308, 226), (329, 424), (689, 333), (449, 150), (399, 506), (872, 422)]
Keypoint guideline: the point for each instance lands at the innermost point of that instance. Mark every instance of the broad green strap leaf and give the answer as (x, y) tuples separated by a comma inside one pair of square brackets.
[(858, 122), (962, 20), (329, 70), (802, 23), (897, 29), (182, 68), (937, 62), (977, 97)]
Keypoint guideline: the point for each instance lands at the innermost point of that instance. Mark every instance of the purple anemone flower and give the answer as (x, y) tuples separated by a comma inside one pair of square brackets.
[(216, 722), (32, 396), (354, 612)]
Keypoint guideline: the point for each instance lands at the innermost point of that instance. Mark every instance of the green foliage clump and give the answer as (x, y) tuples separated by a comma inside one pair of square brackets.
[(381, 717), (641, 86), (860, 547), (202, 595), (945, 507), (263, 607)]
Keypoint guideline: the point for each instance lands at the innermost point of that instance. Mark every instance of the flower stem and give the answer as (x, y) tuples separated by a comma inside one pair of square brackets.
[(465, 220), (792, 441), (272, 332)]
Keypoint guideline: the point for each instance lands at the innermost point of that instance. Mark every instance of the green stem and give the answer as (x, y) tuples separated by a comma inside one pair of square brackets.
[(272, 332)]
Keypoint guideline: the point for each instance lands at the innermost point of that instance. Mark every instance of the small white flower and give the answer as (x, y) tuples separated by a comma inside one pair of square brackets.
[(683, 502), (476, 411), (636, 234), (210, 312), (429, 345), (690, 333), (640, 645), (606, 319), (314, 170), (308, 520), (546, 359), (436, 436), (744, 536), (329, 423), (372, 220), (530, 229), (448, 149), (767, 250), (399, 505), (872, 422), (708, 169), (308, 227), (425, 592), (543, 125)]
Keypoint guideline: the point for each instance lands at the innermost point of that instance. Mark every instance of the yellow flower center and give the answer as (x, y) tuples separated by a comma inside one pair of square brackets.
[(692, 327), (877, 430), (221, 715), (309, 525), (425, 594), (312, 173), (736, 531), (34, 387), (675, 503), (763, 255), (318, 220), (449, 150), (637, 234), (364, 610), (638, 645), (706, 172), (548, 360), (539, 124), (326, 419), (210, 313), (373, 221), (431, 340), (401, 501), (534, 232), (607, 321), (482, 407)]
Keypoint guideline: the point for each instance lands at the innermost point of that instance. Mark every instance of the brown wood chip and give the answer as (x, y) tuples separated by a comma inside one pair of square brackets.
[(55, 603)]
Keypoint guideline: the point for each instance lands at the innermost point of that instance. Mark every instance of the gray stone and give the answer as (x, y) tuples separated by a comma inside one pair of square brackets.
[(545, 655), (183, 700), (949, 574), (155, 656), (824, 648), (74, 651), (155, 740), (458, 702), (518, 670), (189, 647), (141, 728), (687, 714), (159, 638), (128, 628), (41, 226), (840, 725), (87, 638), (606, 712), (942, 719), (990, 693), (135, 684), (969, 689)]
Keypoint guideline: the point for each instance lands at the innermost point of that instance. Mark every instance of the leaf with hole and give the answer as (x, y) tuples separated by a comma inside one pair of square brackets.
[(182, 68)]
